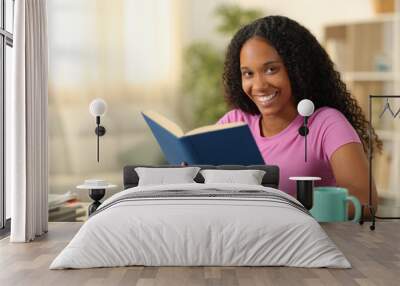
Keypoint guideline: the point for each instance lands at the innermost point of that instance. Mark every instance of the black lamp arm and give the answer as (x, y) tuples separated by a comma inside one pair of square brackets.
[(100, 131)]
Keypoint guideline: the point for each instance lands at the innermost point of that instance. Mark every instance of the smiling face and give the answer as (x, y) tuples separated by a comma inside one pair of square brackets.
[(265, 79)]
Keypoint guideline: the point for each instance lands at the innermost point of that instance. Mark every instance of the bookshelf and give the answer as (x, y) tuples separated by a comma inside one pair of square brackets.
[(367, 54)]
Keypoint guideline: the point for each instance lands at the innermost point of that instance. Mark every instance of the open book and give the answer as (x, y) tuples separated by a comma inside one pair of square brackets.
[(219, 144)]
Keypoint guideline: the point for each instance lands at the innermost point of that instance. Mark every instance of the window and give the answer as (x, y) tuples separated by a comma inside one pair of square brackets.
[(6, 43)]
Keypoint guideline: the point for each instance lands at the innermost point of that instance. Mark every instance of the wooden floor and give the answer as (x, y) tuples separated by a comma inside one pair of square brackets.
[(375, 257)]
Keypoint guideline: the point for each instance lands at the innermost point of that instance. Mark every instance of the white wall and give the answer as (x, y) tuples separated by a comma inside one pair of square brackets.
[(313, 14)]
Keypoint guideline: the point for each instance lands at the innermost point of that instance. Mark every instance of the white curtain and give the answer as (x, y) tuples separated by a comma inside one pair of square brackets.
[(26, 119)]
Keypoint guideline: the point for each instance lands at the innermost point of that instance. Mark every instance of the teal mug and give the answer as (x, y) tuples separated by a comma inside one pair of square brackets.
[(330, 205)]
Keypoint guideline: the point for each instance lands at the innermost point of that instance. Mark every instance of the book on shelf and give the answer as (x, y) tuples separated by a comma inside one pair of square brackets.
[(63, 213), (218, 144), (56, 200), (65, 207)]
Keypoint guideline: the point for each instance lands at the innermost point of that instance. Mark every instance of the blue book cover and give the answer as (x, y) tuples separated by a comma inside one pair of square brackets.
[(219, 144)]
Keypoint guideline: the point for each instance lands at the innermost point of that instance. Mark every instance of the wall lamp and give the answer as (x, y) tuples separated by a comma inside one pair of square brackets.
[(97, 108)]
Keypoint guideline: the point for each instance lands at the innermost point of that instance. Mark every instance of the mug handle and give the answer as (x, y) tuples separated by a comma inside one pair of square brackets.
[(357, 207)]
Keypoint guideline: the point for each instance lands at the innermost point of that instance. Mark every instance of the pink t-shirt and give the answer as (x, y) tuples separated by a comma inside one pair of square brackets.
[(328, 130)]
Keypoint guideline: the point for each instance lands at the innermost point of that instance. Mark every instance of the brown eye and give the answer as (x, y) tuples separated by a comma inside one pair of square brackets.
[(247, 74), (271, 70)]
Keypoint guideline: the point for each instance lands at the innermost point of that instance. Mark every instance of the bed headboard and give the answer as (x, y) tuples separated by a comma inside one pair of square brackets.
[(270, 179)]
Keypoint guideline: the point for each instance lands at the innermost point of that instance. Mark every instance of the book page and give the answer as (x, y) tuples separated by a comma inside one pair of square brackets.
[(165, 123), (214, 127)]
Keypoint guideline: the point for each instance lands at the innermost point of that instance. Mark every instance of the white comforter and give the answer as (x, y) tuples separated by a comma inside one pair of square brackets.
[(200, 231)]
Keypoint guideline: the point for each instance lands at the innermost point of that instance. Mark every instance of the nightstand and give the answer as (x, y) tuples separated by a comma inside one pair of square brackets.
[(97, 190), (305, 190)]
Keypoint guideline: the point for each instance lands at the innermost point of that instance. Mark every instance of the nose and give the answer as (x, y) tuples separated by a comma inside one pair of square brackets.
[(259, 82)]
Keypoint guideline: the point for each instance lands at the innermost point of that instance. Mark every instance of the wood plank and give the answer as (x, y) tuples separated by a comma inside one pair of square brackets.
[(374, 255)]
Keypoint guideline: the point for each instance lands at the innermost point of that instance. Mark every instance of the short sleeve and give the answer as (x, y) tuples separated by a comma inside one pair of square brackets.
[(337, 132), (234, 115)]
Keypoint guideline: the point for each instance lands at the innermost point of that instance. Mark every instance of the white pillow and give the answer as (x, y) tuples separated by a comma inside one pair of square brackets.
[(248, 177), (163, 176)]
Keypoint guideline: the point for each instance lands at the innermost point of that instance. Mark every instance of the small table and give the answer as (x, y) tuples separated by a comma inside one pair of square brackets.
[(305, 190), (96, 193)]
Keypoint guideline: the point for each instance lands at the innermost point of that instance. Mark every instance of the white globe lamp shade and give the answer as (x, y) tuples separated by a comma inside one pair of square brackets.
[(305, 107), (98, 107)]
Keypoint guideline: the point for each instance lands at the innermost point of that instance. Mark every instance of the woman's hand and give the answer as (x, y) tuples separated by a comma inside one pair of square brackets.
[(350, 168)]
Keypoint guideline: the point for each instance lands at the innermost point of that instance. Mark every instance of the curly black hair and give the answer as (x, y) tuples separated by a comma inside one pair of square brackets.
[(311, 72)]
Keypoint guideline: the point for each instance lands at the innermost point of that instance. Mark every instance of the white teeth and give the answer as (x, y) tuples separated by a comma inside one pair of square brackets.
[(267, 97)]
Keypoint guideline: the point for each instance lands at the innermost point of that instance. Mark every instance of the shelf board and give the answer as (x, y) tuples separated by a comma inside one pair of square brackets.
[(370, 76), (381, 18)]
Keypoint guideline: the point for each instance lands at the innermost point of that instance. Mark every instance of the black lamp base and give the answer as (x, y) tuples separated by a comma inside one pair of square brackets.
[(100, 130), (303, 130)]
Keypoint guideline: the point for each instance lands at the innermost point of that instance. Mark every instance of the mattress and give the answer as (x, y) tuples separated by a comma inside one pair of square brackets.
[(201, 225)]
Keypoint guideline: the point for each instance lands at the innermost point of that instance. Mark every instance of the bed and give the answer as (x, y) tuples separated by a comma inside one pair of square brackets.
[(201, 223)]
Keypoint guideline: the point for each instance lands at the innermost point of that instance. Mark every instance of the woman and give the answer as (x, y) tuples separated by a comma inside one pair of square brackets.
[(271, 65)]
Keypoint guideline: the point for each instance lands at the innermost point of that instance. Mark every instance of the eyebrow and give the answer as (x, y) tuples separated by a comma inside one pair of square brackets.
[(265, 64)]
